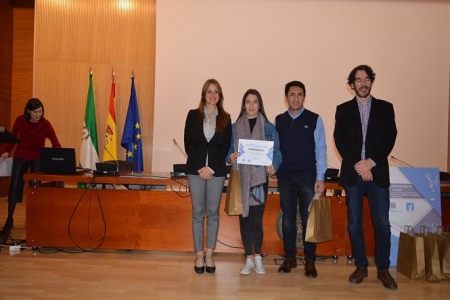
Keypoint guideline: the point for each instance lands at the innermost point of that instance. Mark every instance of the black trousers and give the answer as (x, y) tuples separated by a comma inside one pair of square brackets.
[(15, 194)]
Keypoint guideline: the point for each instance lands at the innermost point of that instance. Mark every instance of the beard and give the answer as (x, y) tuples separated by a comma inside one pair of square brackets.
[(363, 93)]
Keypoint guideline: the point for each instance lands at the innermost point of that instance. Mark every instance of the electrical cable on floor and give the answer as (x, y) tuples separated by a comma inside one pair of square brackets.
[(298, 257), (178, 193), (91, 187), (180, 185), (229, 246)]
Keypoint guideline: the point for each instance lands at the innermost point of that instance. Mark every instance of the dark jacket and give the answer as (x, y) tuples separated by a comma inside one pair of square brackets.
[(380, 139), (197, 147)]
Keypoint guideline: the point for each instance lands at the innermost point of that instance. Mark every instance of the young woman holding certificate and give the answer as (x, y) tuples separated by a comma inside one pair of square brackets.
[(252, 124)]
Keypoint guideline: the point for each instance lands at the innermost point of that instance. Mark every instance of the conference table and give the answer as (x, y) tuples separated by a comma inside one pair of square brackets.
[(148, 212), (153, 212)]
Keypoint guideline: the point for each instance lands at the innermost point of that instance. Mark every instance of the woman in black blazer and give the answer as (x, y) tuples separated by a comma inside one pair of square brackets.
[(207, 137)]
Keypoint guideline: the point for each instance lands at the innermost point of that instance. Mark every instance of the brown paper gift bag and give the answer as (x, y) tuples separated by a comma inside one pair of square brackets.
[(233, 204), (446, 259), (432, 265), (443, 243), (411, 255), (318, 228)]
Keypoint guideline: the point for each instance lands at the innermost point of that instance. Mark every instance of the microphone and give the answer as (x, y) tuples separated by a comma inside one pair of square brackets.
[(179, 170), (179, 148), (401, 161), (106, 168), (115, 160)]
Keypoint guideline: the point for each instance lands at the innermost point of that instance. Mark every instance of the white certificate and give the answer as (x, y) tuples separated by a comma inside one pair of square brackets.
[(255, 152), (5, 166)]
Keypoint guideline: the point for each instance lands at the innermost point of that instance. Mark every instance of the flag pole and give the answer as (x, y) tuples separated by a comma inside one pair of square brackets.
[(131, 137), (134, 139)]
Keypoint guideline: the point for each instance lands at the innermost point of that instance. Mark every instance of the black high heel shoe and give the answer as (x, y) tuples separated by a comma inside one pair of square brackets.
[(210, 270), (199, 270)]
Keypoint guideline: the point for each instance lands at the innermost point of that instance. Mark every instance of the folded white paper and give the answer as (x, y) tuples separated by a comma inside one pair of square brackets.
[(5, 166)]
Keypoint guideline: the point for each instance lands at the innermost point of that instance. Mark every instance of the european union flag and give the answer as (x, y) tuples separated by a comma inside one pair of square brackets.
[(131, 138)]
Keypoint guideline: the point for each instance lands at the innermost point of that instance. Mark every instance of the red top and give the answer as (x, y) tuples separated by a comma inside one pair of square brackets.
[(32, 137)]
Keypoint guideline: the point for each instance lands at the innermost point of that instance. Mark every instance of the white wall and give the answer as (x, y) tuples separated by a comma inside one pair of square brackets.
[(263, 44)]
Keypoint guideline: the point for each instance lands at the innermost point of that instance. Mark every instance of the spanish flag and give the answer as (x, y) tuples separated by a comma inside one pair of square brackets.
[(110, 152)]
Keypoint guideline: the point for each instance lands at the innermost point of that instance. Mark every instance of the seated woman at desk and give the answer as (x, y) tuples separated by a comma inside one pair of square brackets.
[(32, 129), (207, 136)]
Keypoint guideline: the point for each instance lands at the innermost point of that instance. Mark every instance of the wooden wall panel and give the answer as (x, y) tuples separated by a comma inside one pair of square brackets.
[(6, 53), (16, 64), (22, 76), (73, 37)]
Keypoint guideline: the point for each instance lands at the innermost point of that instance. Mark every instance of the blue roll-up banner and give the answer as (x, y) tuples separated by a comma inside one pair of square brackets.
[(415, 195)]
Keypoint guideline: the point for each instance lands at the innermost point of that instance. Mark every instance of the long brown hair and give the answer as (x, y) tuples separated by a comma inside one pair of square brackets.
[(260, 102), (223, 118)]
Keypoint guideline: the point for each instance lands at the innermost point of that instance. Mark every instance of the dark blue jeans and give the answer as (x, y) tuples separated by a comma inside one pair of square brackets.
[(379, 209), (296, 191), (251, 227), (252, 230)]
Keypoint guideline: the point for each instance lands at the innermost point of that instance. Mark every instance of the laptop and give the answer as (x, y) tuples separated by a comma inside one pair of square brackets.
[(59, 161)]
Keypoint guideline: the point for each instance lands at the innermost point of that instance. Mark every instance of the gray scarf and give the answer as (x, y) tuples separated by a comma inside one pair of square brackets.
[(252, 177)]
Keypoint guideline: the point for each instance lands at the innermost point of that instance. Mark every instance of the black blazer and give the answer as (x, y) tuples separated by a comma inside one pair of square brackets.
[(197, 147), (380, 139)]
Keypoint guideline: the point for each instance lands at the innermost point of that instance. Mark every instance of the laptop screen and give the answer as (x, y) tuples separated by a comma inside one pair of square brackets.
[(58, 161)]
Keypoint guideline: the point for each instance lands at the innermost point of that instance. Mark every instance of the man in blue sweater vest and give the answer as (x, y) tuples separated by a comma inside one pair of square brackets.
[(301, 174)]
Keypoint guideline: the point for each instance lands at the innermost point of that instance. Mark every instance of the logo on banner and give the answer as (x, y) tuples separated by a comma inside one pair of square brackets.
[(409, 206)]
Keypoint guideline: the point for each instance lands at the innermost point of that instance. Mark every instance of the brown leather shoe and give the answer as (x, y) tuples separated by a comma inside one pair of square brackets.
[(358, 275), (288, 264), (310, 269), (387, 280)]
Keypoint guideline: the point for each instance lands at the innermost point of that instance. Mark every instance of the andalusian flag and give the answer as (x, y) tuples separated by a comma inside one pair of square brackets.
[(110, 152), (89, 141), (131, 138)]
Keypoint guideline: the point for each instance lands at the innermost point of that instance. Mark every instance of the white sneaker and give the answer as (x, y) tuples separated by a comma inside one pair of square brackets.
[(259, 266), (248, 267)]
